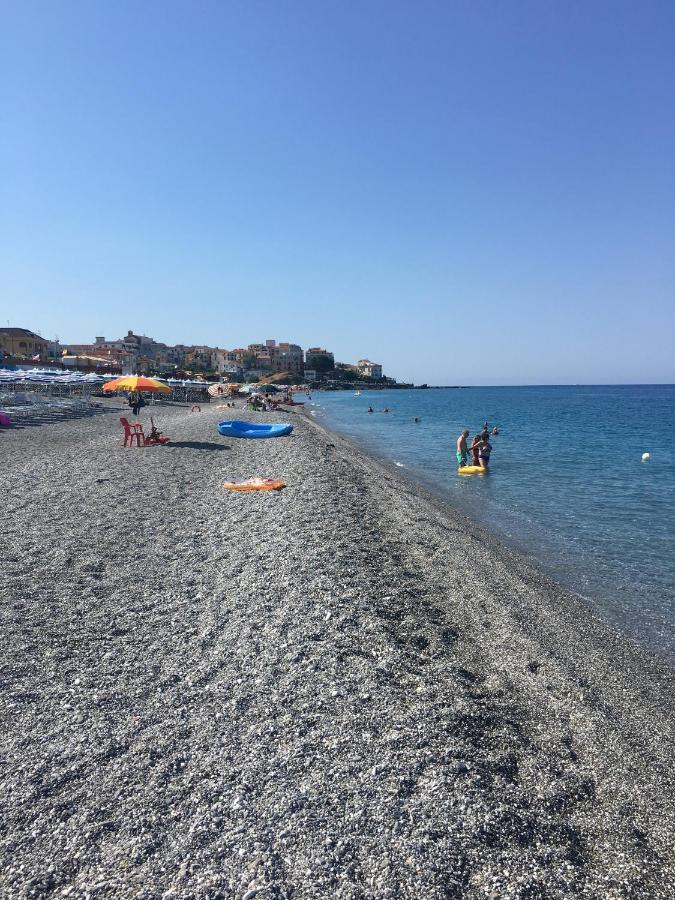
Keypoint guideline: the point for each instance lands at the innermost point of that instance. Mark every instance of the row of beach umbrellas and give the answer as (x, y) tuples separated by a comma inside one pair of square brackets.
[(259, 389), (45, 376), (55, 376), (126, 383)]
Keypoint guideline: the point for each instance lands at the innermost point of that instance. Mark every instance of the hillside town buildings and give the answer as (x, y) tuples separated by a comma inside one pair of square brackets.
[(140, 354), (271, 357)]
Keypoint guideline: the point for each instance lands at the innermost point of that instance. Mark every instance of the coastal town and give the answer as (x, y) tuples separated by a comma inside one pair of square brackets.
[(138, 354)]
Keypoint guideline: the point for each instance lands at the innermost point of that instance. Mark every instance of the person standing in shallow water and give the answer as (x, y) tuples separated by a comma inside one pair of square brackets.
[(462, 449), (474, 449), (484, 450)]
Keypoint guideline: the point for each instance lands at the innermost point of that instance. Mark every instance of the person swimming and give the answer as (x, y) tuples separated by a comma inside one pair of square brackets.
[(370, 409), (386, 409), (495, 431)]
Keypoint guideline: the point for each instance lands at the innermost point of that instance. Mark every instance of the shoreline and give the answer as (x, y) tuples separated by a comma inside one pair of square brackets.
[(318, 693), (581, 613), (598, 599)]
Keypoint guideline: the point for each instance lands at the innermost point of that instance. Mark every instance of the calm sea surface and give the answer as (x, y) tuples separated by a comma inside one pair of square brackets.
[(567, 485)]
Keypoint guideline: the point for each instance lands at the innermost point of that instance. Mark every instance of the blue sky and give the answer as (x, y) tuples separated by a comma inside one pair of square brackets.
[(467, 192)]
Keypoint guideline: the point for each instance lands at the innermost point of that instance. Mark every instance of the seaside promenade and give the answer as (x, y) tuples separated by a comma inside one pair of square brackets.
[(340, 690)]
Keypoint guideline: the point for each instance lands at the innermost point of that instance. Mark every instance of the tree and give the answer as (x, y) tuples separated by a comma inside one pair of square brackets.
[(320, 362)]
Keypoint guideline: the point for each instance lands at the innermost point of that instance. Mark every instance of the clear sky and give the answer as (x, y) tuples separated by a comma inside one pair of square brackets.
[(466, 191)]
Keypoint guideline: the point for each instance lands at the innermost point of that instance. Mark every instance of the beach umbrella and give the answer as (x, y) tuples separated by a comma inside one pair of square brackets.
[(268, 389), (137, 383), (219, 390)]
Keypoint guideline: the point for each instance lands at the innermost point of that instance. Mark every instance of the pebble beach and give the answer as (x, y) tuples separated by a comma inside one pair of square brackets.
[(343, 689)]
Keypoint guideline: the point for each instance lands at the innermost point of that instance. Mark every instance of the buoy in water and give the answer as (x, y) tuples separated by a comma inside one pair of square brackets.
[(645, 457)]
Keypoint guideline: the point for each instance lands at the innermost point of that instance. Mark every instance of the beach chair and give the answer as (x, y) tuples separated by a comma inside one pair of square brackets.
[(132, 433)]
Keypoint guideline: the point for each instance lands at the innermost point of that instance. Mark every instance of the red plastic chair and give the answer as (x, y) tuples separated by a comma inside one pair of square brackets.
[(132, 433)]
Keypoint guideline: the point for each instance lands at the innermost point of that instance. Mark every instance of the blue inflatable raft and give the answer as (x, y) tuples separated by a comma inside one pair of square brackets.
[(252, 430)]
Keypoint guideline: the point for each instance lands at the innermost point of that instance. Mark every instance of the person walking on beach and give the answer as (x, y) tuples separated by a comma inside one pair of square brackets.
[(462, 449)]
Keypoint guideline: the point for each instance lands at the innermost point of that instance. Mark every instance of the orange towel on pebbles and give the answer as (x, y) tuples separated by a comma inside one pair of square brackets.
[(256, 484)]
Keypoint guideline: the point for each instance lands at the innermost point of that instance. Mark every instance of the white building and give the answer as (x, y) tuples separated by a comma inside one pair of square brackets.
[(369, 369)]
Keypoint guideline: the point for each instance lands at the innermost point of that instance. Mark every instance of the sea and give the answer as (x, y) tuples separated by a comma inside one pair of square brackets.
[(567, 485)]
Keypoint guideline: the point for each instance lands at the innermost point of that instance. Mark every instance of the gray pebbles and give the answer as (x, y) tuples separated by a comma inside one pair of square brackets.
[(341, 690)]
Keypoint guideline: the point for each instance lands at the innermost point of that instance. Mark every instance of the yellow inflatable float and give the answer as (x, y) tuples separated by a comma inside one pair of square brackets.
[(471, 470)]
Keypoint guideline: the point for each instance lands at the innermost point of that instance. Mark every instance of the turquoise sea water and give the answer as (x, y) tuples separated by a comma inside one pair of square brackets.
[(567, 485)]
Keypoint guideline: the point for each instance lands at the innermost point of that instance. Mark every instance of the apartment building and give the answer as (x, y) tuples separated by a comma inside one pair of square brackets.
[(23, 344), (287, 358), (269, 357), (369, 369), (319, 360)]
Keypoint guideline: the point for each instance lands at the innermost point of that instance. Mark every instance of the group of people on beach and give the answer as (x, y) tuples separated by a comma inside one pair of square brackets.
[(480, 449), (261, 404)]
